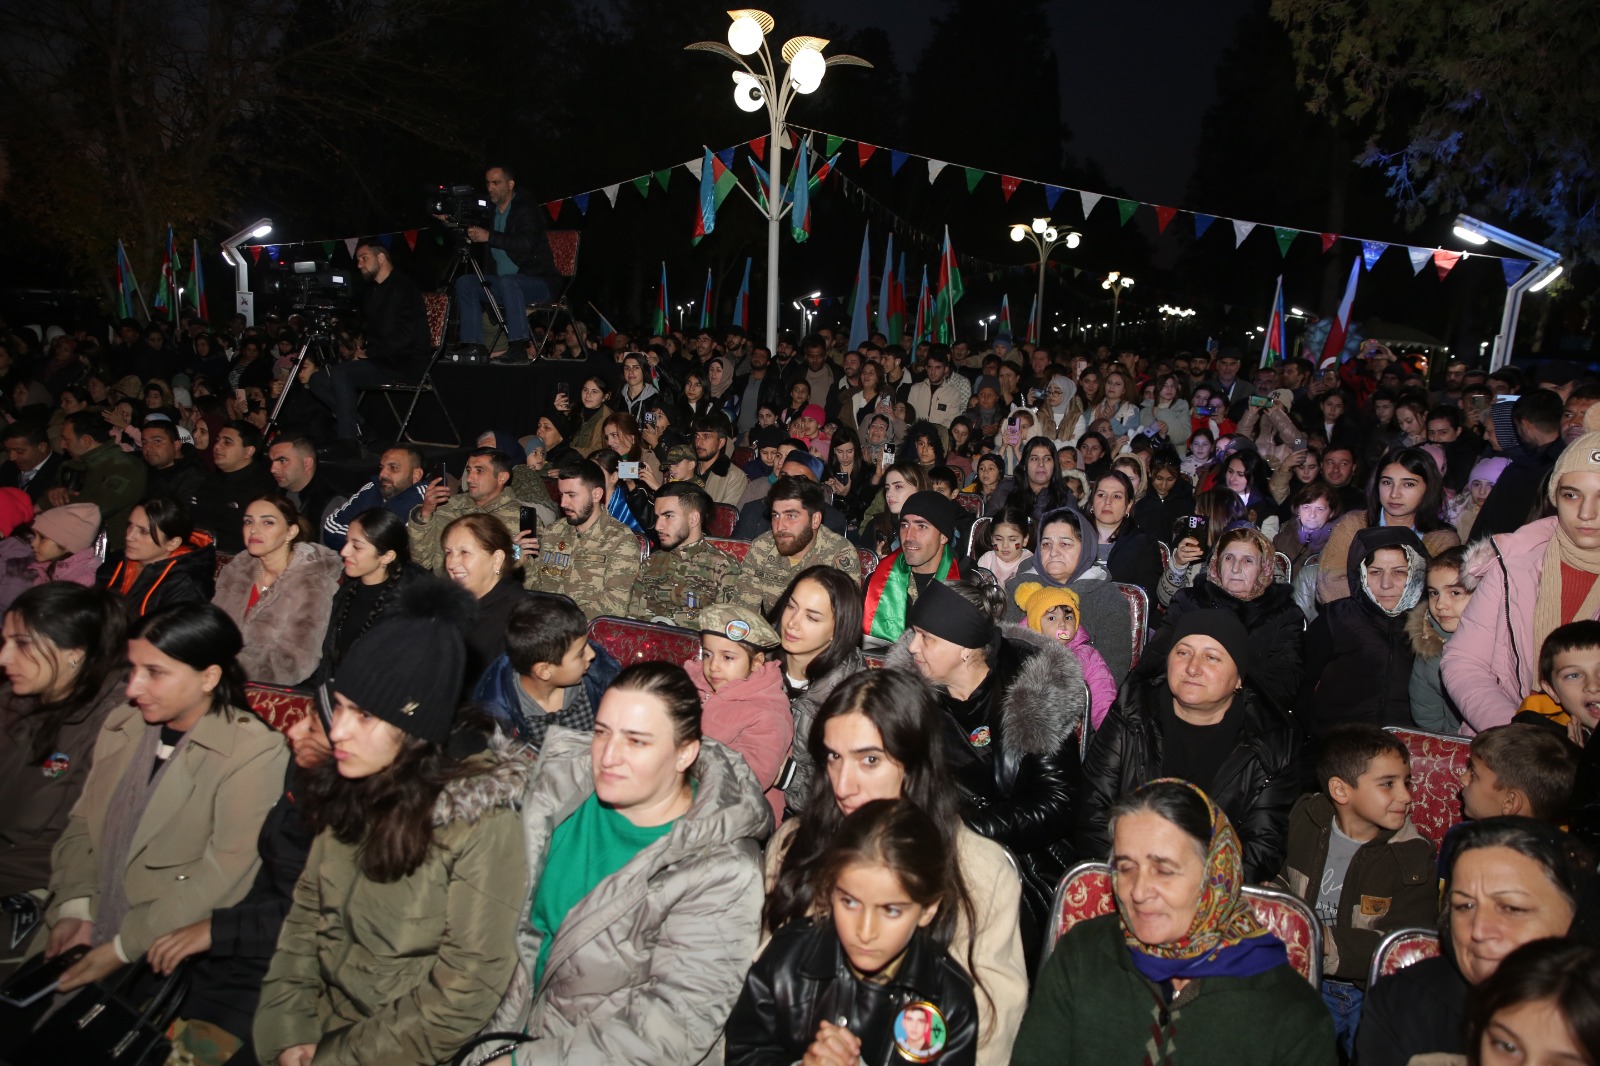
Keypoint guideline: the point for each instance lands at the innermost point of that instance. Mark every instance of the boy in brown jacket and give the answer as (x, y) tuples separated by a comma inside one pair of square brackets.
[(1355, 858)]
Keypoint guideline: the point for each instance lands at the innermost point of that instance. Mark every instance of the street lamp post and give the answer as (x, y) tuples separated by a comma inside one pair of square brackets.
[(1116, 281), (984, 322), (1547, 267), (756, 89), (1046, 239), (244, 300)]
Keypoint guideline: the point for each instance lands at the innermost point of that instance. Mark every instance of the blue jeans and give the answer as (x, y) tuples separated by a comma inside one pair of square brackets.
[(513, 292), (1343, 1001)]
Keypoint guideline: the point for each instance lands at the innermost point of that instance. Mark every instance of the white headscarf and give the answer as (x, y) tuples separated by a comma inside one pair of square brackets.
[(1069, 389)]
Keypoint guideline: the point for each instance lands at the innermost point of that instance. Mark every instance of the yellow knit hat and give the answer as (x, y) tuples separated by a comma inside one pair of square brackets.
[(1037, 599)]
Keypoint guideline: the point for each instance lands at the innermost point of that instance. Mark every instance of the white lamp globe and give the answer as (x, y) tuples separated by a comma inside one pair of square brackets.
[(806, 70), (747, 92), (1073, 240), (1018, 232), (745, 35)]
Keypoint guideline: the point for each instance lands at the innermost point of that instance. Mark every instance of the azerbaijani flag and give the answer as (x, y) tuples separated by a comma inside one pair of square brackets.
[(659, 320), (1340, 326), (126, 286), (1273, 348), (897, 303), (886, 295), (705, 301), (167, 291), (741, 303), (1005, 314), (608, 332), (716, 182), (950, 290), (1033, 321), (924, 315), (197, 282), (800, 218), (861, 294)]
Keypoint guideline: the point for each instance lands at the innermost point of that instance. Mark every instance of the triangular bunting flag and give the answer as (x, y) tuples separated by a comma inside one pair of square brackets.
[(255, 253), (1241, 230), (1164, 215), (864, 152), (1514, 269), (327, 248), (1419, 258), (643, 185), (664, 176), (1371, 252), (387, 239), (411, 239), (1052, 193), (1126, 208), (726, 155), (833, 144), (1327, 241), (897, 160), (1008, 185), (758, 145), (554, 207), (611, 193), (1089, 200), (1203, 223), (350, 245), (1285, 237), (934, 166), (272, 250), (974, 175), (582, 200), (1444, 261), (697, 166)]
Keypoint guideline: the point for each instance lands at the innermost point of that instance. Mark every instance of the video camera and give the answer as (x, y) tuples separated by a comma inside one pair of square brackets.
[(460, 206), (316, 290)]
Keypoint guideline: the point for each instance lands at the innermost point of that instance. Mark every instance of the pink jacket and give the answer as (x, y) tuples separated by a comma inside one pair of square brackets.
[(751, 717), (78, 568), (1096, 674), (1492, 661)]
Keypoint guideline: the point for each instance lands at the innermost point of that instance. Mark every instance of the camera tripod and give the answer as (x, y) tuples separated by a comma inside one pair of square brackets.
[(326, 355), (458, 266)]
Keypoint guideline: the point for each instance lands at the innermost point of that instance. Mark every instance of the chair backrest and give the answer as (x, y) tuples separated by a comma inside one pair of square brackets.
[(736, 548), (1085, 892), (278, 707), (1138, 616), (742, 456), (223, 559), (632, 641), (1437, 761), (564, 247), (552, 487), (869, 561), (980, 527), (1400, 949), (437, 304), (644, 546), (970, 500), (874, 662), (1280, 568), (724, 517), (1166, 555)]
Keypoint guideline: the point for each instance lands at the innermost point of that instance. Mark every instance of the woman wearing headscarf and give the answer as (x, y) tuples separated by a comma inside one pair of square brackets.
[(1183, 963), (1060, 410), (1198, 720), (719, 387)]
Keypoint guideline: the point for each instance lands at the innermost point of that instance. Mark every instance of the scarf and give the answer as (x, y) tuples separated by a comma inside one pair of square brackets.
[(1225, 940), (132, 796), (889, 593), (1547, 614), (1069, 389), (719, 391)]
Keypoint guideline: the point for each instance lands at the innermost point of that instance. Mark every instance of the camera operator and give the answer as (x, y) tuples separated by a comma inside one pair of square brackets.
[(396, 347), (514, 254)]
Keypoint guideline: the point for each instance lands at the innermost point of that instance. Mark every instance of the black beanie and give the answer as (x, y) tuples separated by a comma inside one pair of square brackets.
[(408, 669), (1222, 626), (939, 510)]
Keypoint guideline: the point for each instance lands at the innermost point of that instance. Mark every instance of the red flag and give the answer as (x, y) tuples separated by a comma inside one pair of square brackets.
[(1327, 241), (255, 253), (1164, 215), (1008, 185), (864, 151), (1443, 261), (758, 145), (554, 207), (411, 239)]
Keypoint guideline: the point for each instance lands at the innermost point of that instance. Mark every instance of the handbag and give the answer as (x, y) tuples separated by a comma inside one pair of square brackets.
[(509, 1039), (104, 1025)]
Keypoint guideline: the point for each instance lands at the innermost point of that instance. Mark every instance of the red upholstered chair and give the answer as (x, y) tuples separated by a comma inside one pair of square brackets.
[(437, 305), (1085, 892), (278, 707), (564, 245), (724, 517), (1437, 760), (1280, 568), (874, 662), (1400, 949), (869, 562), (644, 546), (736, 548), (630, 641), (553, 487), (1166, 555), (223, 559), (970, 500), (742, 456), (1138, 616)]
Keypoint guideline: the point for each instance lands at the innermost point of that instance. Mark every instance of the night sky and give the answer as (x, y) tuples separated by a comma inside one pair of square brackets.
[(1136, 76)]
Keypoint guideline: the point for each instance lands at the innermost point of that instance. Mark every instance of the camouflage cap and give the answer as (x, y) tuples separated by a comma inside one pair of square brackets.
[(678, 453), (738, 623)]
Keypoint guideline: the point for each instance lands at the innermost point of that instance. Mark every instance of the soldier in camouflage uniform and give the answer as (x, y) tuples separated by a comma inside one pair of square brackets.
[(686, 573), (798, 539), (486, 485), (591, 557)]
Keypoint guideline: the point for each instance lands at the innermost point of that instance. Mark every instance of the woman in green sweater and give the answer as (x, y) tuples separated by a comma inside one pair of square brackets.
[(1182, 965)]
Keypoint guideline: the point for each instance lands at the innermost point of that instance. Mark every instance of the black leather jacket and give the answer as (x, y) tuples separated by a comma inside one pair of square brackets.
[(1256, 785), (804, 978), (524, 240)]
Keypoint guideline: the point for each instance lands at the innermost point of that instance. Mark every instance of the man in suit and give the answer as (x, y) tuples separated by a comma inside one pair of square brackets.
[(30, 464)]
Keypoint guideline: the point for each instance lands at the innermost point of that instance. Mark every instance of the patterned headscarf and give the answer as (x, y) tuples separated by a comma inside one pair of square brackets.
[(1225, 940)]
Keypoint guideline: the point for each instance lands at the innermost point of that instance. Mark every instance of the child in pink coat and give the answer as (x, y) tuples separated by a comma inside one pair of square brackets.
[(1053, 612), (743, 704)]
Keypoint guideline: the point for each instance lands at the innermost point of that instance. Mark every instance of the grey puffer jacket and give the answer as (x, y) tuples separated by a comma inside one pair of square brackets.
[(646, 968), (804, 708)]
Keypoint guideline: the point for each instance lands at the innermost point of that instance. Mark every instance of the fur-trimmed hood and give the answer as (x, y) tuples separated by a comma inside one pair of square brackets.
[(1480, 556), (1043, 695), (1427, 639), (500, 780)]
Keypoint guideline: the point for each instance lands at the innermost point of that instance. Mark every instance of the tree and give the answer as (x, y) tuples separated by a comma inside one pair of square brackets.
[(1486, 105)]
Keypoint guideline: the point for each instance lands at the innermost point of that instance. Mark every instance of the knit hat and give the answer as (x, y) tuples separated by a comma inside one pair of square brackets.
[(1436, 453), (940, 511), (408, 669), (1283, 397), (1582, 456), (768, 437), (16, 508), (739, 624), (1222, 626), (182, 398), (1037, 600), (814, 412), (1488, 470), (73, 526), (129, 386)]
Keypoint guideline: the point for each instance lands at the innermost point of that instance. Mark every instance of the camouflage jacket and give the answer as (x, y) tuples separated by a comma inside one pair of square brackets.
[(676, 584), (765, 574), (596, 569)]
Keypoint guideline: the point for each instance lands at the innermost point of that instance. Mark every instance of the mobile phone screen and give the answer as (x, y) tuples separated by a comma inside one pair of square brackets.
[(440, 474), (29, 986), (528, 520)]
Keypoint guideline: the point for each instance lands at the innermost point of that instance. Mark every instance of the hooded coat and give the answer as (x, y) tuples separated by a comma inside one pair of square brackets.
[(1358, 656), (1271, 617), (283, 632), (1431, 706), (405, 971), (189, 576), (1025, 804), (1103, 609), (646, 968), (751, 717)]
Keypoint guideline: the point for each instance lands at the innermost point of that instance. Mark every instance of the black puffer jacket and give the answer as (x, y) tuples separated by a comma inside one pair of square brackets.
[(1256, 786), (188, 577), (1358, 656), (804, 977), (1024, 800), (1157, 515)]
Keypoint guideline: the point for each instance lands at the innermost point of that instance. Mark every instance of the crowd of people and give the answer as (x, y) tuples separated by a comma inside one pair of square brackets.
[(986, 612)]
